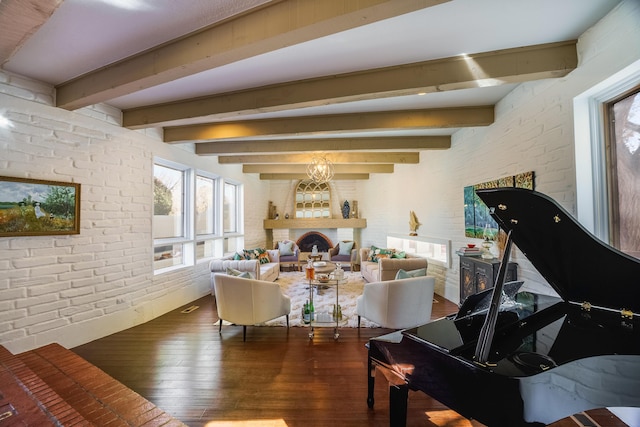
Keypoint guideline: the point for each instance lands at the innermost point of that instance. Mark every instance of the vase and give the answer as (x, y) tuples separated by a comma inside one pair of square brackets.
[(346, 210)]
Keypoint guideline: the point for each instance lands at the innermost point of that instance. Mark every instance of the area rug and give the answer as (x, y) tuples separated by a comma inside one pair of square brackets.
[(294, 285)]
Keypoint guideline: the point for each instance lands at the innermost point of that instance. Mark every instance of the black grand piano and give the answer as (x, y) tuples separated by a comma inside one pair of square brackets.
[(510, 357)]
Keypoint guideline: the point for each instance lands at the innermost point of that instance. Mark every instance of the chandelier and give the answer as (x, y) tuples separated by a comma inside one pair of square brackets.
[(320, 169)]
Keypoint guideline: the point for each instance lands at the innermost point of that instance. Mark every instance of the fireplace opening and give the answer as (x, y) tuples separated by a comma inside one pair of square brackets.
[(307, 240)]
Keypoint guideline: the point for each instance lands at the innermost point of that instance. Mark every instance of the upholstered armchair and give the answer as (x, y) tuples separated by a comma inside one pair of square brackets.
[(344, 252), (397, 304), (248, 301), (289, 252)]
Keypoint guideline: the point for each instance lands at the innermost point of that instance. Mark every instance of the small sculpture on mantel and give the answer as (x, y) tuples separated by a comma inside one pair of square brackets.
[(414, 224)]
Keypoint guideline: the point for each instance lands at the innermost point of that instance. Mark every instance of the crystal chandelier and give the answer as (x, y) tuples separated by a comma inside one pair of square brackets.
[(320, 169)]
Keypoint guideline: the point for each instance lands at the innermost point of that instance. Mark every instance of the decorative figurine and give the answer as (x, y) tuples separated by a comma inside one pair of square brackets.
[(346, 210), (414, 224)]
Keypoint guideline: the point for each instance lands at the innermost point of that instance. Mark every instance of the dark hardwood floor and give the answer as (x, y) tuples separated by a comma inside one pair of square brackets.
[(278, 377)]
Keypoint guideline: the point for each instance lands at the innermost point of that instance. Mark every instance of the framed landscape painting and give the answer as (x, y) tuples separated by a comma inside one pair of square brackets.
[(30, 207)]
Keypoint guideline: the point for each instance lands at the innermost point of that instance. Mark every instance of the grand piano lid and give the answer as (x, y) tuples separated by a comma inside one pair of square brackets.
[(580, 267)]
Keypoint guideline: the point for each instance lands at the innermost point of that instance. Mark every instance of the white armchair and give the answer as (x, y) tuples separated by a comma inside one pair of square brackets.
[(397, 304), (248, 301)]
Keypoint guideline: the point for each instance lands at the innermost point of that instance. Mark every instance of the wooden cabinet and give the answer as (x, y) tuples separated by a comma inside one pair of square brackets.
[(477, 274)]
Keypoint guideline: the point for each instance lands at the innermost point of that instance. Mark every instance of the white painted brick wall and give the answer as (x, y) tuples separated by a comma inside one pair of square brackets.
[(71, 289), (533, 130)]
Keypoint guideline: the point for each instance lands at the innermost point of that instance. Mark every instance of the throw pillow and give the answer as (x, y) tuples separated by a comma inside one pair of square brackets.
[(253, 253), (372, 253), (258, 253), (400, 254), (237, 257), (344, 248), (285, 248), (234, 272), (402, 274), (263, 258), (381, 253)]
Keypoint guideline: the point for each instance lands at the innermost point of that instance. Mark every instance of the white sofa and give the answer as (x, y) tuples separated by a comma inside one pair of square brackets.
[(268, 272), (387, 268), (397, 304), (248, 301)]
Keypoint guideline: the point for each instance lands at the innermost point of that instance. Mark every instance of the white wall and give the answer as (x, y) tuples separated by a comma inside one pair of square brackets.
[(73, 289), (533, 130)]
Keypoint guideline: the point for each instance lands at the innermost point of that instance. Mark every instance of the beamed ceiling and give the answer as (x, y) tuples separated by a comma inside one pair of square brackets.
[(267, 84)]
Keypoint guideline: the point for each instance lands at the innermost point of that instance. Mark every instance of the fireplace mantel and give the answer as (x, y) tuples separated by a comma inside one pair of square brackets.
[(314, 223)]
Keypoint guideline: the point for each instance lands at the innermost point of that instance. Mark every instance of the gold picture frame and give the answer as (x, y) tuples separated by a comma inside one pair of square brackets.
[(33, 207)]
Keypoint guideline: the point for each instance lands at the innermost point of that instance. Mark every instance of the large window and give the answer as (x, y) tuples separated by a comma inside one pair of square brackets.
[(607, 136), (188, 214), (623, 167), (169, 215), (206, 216), (230, 212)]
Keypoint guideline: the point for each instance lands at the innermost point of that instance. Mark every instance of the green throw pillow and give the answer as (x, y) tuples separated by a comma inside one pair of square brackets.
[(344, 248), (402, 274), (234, 272), (380, 253), (258, 253), (401, 254), (285, 248)]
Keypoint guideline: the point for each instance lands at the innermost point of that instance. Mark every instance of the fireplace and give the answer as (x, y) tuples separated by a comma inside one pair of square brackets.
[(307, 240)]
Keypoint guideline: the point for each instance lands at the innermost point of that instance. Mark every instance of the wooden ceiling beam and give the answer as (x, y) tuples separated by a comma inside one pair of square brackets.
[(330, 144), (336, 158), (465, 71), (19, 20), (267, 28), (436, 118), (299, 176), (302, 169)]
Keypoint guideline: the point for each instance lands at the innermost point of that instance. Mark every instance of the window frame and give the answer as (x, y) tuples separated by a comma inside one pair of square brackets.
[(592, 185), (190, 241), (613, 179), (215, 236)]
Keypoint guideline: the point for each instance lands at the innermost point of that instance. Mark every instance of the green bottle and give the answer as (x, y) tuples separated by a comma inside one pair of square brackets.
[(311, 311), (306, 314)]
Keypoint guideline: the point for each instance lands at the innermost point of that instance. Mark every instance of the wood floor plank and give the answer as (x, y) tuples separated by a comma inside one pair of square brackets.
[(278, 377)]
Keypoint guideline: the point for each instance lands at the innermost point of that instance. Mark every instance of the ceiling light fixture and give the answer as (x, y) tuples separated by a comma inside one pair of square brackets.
[(320, 169)]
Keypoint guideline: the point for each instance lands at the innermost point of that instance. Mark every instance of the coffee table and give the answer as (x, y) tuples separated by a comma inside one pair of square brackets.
[(326, 317)]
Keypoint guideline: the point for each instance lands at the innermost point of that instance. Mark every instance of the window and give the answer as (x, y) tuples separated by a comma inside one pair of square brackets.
[(232, 217), (623, 172), (206, 216), (313, 200), (188, 216), (230, 213), (598, 177), (169, 215)]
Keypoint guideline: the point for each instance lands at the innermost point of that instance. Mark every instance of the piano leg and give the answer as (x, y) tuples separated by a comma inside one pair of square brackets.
[(398, 395), (371, 380)]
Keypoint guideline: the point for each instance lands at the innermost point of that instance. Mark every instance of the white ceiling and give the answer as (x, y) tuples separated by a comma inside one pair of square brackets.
[(84, 35)]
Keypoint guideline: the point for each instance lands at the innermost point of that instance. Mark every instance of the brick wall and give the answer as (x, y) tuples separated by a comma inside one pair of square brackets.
[(72, 289), (533, 130)]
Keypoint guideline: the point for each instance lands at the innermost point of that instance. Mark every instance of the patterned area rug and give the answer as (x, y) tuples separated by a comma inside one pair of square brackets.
[(294, 285)]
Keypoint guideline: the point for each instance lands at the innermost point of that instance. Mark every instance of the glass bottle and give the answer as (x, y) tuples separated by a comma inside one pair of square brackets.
[(310, 271), (306, 314), (338, 274)]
